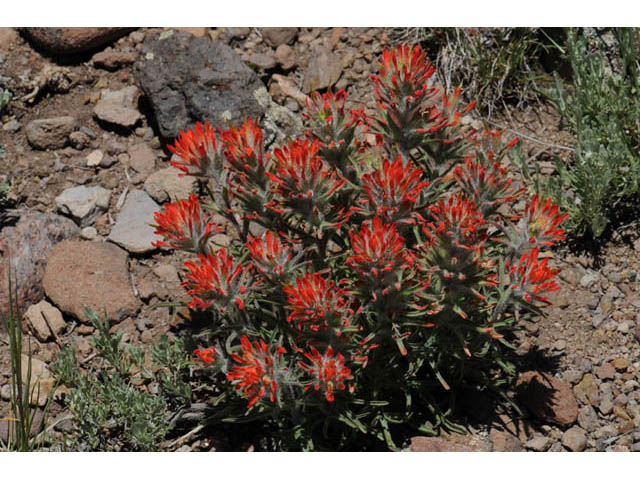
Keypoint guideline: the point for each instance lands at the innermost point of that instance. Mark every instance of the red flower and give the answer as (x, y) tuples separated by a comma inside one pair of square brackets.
[(216, 280), (182, 223), (328, 371), (301, 176), (258, 371), (317, 304), (332, 127), (530, 278), (542, 222), (379, 251), (200, 155), (457, 221), (244, 148), (270, 255), (393, 190), (489, 187), (404, 70), (206, 356)]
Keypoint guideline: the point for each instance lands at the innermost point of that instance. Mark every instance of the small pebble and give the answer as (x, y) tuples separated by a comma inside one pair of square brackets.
[(89, 233)]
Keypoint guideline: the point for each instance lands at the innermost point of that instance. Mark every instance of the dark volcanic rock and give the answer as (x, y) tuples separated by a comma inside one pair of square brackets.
[(27, 244), (69, 40), (188, 79)]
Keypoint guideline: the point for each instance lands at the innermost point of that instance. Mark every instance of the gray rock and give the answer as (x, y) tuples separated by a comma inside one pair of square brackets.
[(89, 233), (93, 275), (12, 126), (133, 230), (324, 70), (119, 107), (589, 279), (588, 418), (279, 123), (44, 320), (25, 246), (50, 133), (574, 439), (83, 204), (188, 79), (166, 184), (538, 443), (275, 36), (5, 392)]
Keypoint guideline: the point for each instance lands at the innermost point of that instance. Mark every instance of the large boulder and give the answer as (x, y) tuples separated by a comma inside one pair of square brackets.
[(188, 79), (25, 247), (70, 40)]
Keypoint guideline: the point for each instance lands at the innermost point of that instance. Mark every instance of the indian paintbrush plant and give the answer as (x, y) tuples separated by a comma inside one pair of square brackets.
[(376, 268)]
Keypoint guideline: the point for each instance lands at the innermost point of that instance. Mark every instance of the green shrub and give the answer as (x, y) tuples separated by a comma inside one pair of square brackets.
[(112, 411), (601, 107)]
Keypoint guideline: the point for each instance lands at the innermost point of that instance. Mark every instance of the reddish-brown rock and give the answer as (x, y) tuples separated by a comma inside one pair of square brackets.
[(69, 40), (26, 245), (548, 398), (91, 275)]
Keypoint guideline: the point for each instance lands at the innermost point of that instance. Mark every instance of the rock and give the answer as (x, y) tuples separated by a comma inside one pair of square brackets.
[(588, 418), (166, 184), (606, 371), (289, 88), (44, 320), (620, 364), (133, 230), (195, 31), (142, 159), (586, 391), (538, 443), (261, 60), (620, 412), (7, 425), (26, 245), (70, 40), (83, 204), (94, 158), (574, 439), (89, 233), (279, 124), (50, 133), (119, 107), (589, 279), (188, 79), (606, 406), (323, 71), (504, 441), (548, 398), (12, 126), (434, 444), (167, 273), (79, 140), (624, 327), (8, 36), (286, 57), (91, 275), (5, 392), (277, 36), (113, 59), (41, 379)]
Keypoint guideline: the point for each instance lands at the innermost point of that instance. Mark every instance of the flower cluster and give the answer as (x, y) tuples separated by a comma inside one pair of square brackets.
[(358, 282), (185, 226)]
